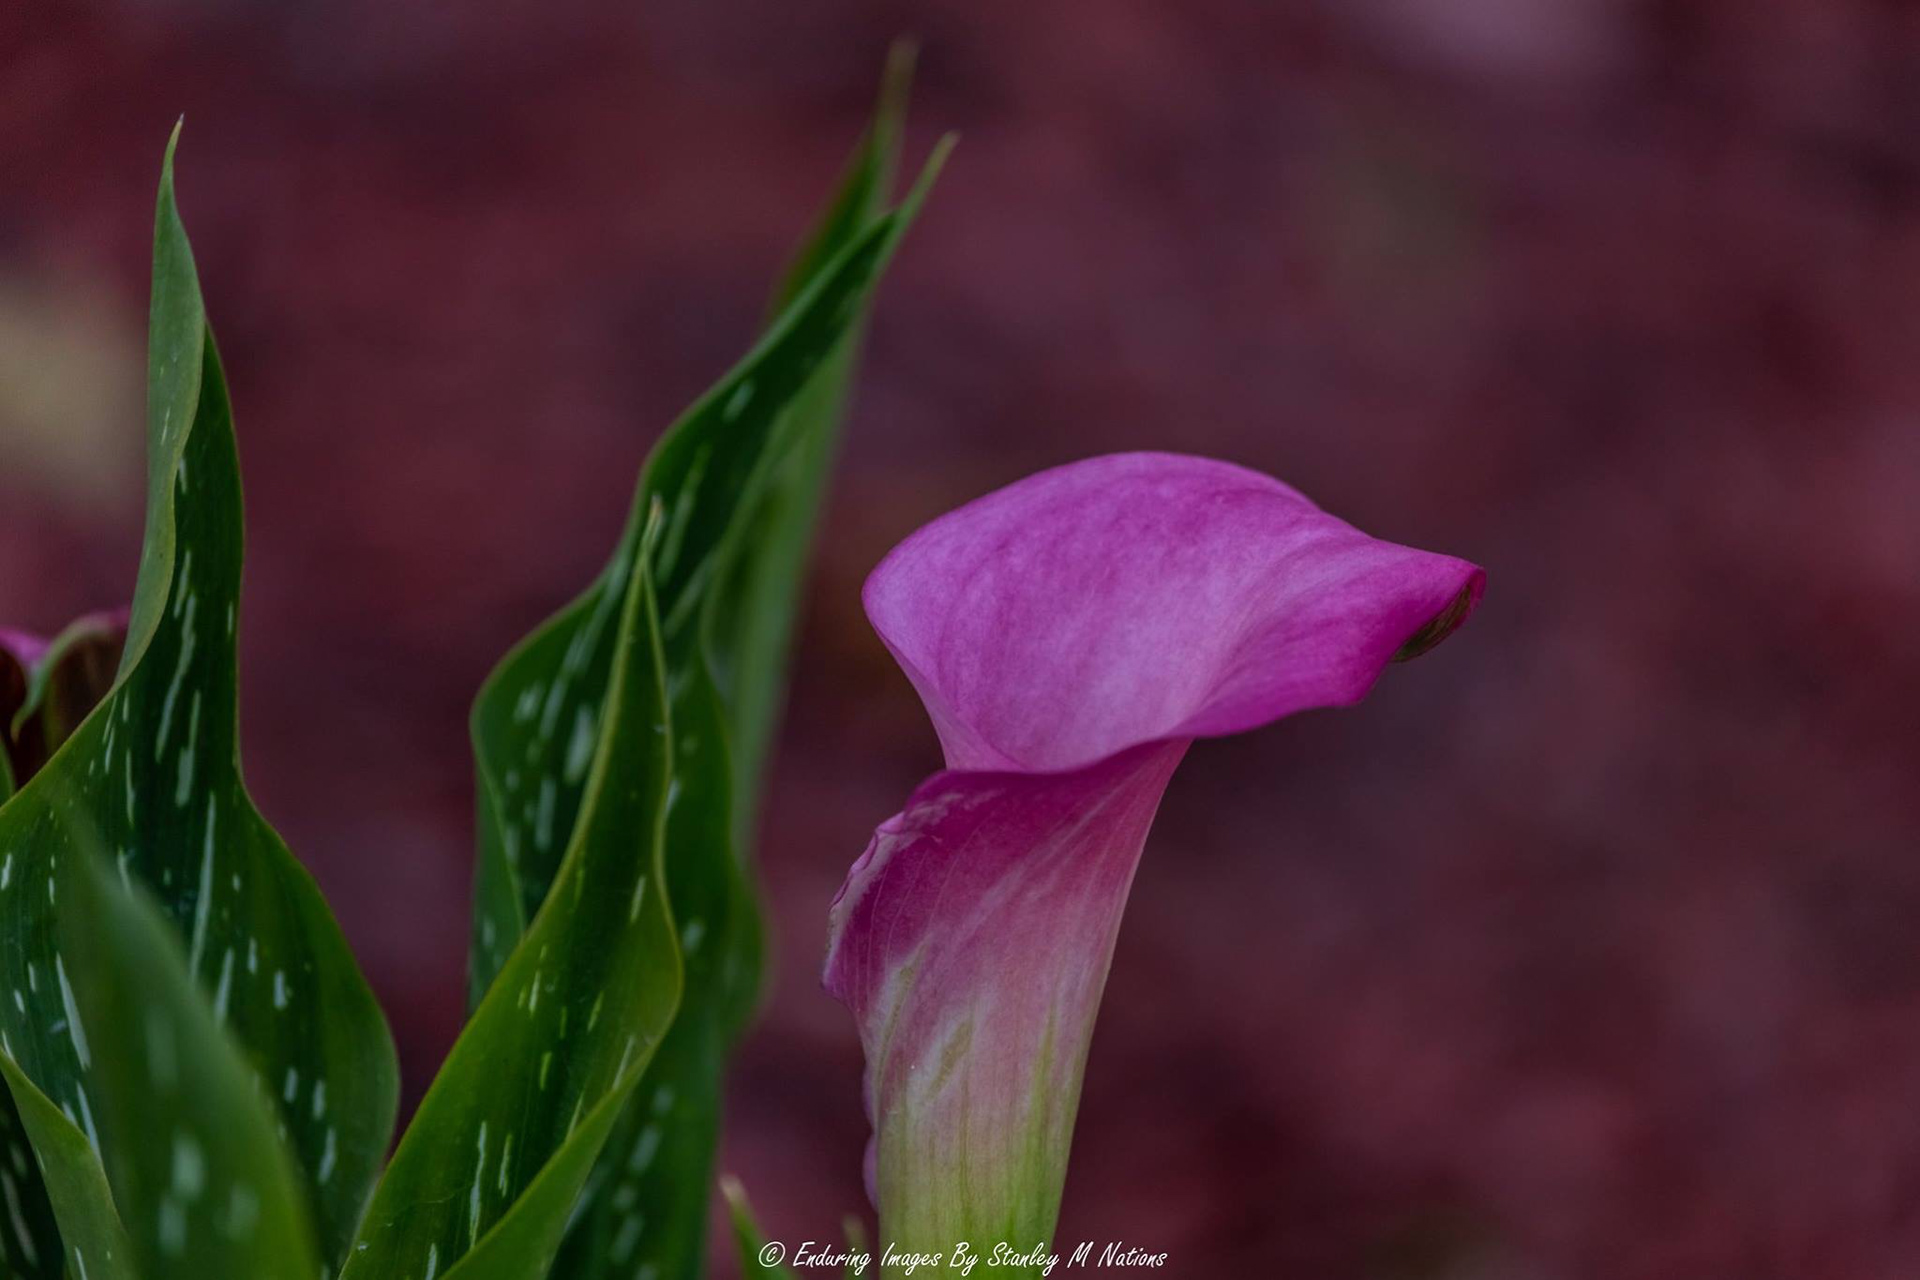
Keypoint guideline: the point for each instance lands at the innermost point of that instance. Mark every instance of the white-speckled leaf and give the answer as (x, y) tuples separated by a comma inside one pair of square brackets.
[(193, 1156), (726, 663), (153, 775), (535, 720), (645, 1204), (45, 1153), (45, 691), (485, 1175)]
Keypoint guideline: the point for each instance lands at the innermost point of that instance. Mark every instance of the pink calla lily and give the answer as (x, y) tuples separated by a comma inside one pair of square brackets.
[(1070, 636)]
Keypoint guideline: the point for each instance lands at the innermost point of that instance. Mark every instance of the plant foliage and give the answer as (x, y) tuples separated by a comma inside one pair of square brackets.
[(200, 1083)]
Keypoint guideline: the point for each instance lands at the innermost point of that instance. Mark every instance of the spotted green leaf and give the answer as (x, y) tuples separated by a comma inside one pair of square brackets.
[(192, 1149), (45, 691), (153, 775), (485, 1176), (652, 1189), (63, 1168), (645, 1205)]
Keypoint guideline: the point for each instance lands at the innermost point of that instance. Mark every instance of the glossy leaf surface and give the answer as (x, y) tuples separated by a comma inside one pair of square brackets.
[(645, 1204), (153, 773), (655, 1180), (46, 690), (488, 1171), (193, 1153)]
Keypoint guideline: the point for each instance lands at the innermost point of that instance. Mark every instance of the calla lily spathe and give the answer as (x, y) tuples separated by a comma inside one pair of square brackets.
[(1070, 636)]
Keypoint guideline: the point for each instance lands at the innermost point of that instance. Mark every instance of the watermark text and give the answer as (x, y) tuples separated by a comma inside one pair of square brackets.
[(963, 1259)]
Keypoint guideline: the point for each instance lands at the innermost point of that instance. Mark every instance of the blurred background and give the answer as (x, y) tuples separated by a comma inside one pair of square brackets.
[(1586, 947)]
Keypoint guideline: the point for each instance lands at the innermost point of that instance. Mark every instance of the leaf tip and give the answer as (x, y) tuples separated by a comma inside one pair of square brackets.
[(896, 80), (169, 209), (929, 174), (173, 145)]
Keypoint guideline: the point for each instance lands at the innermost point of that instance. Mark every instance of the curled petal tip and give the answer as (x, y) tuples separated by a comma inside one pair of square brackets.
[(1446, 622)]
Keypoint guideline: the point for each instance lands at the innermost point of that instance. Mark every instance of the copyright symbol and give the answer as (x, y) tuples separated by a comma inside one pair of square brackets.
[(772, 1253)]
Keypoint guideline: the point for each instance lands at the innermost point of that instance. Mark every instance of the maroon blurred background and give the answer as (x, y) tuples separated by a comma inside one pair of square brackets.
[(1585, 948)]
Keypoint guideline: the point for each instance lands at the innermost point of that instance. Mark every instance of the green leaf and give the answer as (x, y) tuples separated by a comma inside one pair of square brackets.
[(534, 720), (755, 1262), (646, 1203), (192, 1152), (656, 1176), (65, 1171), (486, 1174), (751, 615), (153, 775), (41, 702)]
